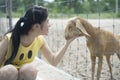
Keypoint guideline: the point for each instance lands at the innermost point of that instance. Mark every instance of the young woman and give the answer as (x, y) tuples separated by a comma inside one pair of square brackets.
[(20, 46)]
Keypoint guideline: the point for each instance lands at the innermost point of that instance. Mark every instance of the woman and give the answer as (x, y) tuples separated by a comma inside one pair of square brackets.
[(20, 46)]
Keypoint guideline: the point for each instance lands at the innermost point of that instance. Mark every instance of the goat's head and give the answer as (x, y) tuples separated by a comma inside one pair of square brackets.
[(74, 28)]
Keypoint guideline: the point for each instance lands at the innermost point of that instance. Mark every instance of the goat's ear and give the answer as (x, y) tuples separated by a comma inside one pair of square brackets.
[(80, 26)]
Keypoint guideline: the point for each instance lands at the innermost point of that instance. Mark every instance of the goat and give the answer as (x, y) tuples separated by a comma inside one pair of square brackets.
[(99, 41)]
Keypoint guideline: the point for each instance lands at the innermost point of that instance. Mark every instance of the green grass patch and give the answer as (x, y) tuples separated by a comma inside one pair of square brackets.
[(62, 15), (90, 15), (3, 14)]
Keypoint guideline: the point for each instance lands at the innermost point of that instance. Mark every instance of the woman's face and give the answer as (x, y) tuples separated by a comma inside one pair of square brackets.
[(45, 27)]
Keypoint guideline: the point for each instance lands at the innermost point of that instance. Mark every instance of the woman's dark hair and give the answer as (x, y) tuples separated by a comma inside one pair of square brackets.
[(35, 14)]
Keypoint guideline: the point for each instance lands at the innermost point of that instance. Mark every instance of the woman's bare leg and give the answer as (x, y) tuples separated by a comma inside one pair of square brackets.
[(8, 72), (27, 72)]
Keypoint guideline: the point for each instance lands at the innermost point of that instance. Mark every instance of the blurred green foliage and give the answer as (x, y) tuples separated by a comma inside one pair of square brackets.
[(57, 8)]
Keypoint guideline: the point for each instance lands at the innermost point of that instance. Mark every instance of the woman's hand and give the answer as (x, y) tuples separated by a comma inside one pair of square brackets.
[(70, 40)]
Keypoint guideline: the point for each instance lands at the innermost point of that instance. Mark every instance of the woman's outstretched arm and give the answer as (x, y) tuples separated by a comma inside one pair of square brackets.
[(54, 58)]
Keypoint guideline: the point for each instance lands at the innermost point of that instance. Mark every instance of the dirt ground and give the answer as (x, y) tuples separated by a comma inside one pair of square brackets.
[(77, 61)]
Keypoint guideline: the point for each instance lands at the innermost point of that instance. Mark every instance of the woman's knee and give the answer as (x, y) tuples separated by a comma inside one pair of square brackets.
[(8, 72), (28, 72)]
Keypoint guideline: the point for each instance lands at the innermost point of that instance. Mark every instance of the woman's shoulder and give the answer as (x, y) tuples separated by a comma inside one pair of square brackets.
[(5, 37), (8, 35), (40, 38)]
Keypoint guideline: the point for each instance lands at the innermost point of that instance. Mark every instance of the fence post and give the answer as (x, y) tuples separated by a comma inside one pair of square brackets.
[(9, 10), (36, 2), (116, 6)]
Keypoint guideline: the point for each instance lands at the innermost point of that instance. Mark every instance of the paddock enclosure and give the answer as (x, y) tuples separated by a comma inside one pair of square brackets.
[(76, 60)]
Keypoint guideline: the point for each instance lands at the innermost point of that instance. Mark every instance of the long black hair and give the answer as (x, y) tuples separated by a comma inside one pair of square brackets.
[(35, 14)]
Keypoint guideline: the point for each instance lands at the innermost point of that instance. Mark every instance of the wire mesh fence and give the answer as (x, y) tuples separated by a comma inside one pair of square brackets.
[(3, 21)]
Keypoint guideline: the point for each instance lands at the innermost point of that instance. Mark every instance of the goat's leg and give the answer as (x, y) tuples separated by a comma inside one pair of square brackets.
[(109, 65), (100, 60), (118, 56), (93, 59)]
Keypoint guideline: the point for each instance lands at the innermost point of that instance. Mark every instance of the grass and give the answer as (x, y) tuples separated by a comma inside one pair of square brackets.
[(62, 15), (91, 15), (3, 14)]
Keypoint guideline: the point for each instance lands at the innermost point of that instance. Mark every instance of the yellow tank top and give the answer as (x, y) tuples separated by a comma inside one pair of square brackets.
[(24, 54)]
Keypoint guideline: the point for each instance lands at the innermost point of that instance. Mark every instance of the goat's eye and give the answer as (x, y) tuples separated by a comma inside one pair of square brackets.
[(70, 27)]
